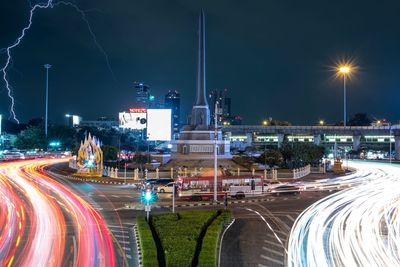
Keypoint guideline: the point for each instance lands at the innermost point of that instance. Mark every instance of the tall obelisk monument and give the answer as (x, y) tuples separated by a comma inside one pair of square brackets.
[(201, 112), (198, 139)]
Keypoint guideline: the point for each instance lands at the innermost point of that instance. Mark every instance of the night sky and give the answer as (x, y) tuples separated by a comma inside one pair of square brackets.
[(275, 57)]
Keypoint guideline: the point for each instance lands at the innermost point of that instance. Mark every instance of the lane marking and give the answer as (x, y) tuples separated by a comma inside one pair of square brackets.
[(270, 228), (221, 242)]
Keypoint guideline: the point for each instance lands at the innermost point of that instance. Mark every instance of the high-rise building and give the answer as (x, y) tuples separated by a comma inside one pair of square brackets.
[(143, 96), (224, 103), (173, 101), (224, 106)]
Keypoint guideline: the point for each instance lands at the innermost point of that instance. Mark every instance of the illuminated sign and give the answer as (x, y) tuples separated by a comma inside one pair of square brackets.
[(133, 120), (159, 124), (137, 110)]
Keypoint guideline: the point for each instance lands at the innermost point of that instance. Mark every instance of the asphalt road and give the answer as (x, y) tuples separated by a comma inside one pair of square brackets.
[(44, 223), (259, 234), (92, 221)]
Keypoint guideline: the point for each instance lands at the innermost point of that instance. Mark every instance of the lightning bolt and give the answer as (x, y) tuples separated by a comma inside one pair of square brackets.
[(7, 50)]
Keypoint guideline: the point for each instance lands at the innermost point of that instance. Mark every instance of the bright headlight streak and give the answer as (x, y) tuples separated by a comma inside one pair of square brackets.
[(355, 227), (45, 238)]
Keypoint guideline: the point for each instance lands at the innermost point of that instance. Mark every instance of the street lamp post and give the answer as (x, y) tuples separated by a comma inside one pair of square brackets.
[(390, 144), (47, 67), (344, 71), (215, 150)]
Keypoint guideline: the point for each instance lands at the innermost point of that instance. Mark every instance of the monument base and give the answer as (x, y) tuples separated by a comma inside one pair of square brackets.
[(199, 144)]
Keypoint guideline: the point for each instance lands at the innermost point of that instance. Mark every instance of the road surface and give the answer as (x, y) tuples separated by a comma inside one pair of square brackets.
[(359, 226), (44, 223)]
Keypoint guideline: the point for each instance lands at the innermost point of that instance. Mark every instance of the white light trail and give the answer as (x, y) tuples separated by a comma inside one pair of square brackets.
[(358, 226)]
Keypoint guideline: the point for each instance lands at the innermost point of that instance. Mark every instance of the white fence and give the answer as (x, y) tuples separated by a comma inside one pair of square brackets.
[(301, 172)]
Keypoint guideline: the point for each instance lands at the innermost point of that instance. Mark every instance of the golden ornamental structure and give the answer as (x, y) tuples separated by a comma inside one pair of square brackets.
[(89, 160)]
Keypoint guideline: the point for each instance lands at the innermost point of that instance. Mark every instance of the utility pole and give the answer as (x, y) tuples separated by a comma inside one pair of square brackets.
[(47, 67), (390, 143), (215, 150)]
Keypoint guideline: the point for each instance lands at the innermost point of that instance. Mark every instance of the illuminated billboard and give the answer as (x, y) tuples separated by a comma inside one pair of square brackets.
[(134, 119), (159, 124)]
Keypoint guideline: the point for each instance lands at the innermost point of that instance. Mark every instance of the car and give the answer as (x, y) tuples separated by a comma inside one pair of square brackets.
[(285, 189), (160, 181), (272, 184), (168, 188)]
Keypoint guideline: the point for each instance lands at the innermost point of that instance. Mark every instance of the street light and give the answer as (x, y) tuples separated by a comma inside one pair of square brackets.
[(265, 122), (47, 67), (344, 70), (321, 122), (390, 143)]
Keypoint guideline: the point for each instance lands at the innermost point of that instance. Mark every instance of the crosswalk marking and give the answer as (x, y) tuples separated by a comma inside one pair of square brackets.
[(272, 259), (119, 231), (281, 232), (274, 237), (279, 253), (272, 243), (290, 217), (122, 236)]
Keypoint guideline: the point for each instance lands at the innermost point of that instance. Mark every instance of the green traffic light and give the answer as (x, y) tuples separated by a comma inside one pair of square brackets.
[(148, 196)]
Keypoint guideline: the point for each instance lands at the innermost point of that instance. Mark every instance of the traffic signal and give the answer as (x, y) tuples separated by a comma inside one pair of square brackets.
[(148, 195)]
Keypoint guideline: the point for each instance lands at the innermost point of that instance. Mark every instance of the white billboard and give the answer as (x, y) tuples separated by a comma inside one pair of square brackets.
[(134, 119), (159, 124)]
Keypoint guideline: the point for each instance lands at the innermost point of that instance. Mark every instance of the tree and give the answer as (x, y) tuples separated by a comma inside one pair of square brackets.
[(109, 152), (31, 138), (300, 154), (360, 119), (271, 157), (63, 134)]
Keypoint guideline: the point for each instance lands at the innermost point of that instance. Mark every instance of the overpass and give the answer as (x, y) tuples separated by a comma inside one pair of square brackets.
[(354, 136)]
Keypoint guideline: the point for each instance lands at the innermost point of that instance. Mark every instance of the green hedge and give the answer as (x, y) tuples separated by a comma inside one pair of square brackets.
[(209, 250), (147, 244), (179, 234)]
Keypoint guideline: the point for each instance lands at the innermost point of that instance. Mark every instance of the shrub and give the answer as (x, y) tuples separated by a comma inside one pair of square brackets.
[(179, 234), (147, 244), (209, 250)]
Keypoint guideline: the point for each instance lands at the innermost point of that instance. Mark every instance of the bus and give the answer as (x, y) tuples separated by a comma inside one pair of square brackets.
[(202, 188)]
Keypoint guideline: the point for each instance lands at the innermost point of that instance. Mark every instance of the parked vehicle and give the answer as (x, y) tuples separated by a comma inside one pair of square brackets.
[(285, 189), (168, 188), (202, 188)]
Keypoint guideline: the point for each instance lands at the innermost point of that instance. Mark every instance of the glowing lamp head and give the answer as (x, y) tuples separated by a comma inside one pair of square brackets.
[(321, 122), (344, 69), (147, 195), (265, 122)]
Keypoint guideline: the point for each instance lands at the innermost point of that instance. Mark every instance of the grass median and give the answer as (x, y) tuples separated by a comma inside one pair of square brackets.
[(147, 244), (187, 238), (209, 249)]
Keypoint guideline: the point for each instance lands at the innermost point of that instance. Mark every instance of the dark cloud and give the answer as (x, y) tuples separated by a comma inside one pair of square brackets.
[(274, 56)]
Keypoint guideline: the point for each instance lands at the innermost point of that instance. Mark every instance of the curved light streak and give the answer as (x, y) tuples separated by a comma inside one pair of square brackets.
[(34, 211), (358, 226)]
